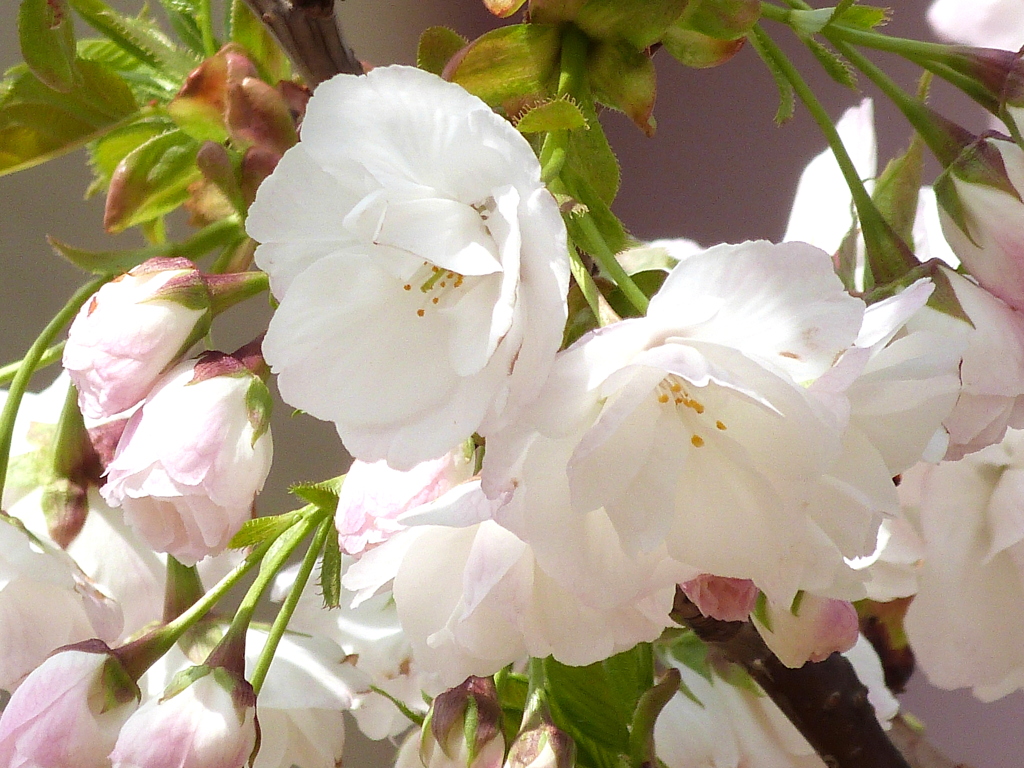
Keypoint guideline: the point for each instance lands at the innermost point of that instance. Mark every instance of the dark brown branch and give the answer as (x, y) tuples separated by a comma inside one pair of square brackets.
[(309, 33), (826, 701)]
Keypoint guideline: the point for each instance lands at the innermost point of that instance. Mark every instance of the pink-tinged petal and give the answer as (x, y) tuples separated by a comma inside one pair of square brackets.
[(817, 628), (722, 598)]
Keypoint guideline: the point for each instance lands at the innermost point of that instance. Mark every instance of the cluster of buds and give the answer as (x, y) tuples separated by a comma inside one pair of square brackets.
[(197, 448)]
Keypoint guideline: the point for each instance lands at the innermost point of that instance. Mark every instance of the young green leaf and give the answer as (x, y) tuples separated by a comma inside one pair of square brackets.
[(151, 180), (137, 36), (183, 16), (323, 494), (47, 36), (786, 103), (108, 151), (836, 67), (589, 703), (38, 123), (624, 78), (262, 529)]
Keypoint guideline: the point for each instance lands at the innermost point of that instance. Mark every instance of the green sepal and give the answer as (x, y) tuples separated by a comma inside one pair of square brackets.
[(509, 65), (215, 235), (809, 23), (721, 19), (116, 686), (640, 23), (865, 17), (436, 48), (259, 405), (897, 188), (183, 15), (46, 33), (261, 529), (591, 163), (415, 717), (690, 651), (943, 298), (185, 679), (624, 78), (330, 571), (784, 113), (649, 282), (252, 34), (109, 150), (649, 706), (834, 65), (760, 612), (139, 37), (697, 50), (323, 494), (38, 123), (948, 198), (151, 181), (554, 115)]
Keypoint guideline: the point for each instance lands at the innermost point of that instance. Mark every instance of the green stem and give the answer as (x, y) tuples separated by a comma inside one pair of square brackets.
[(140, 655), (29, 364), (284, 546), (888, 260), (284, 615), (49, 357), (597, 247), (572, 70), (945, 139), (206, 26)]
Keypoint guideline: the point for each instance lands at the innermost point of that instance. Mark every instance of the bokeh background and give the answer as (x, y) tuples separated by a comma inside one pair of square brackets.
[(718, 170)]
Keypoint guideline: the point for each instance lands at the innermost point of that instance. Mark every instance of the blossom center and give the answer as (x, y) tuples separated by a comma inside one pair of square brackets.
[(436, 286), (672, 392)]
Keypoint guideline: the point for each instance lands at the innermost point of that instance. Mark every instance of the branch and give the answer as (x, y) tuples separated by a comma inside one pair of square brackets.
[(826, 701), (916, 748), (308, 32)]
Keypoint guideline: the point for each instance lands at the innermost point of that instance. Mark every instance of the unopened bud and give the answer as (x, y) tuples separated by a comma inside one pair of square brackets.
[(722, 598), (463, 728), (542, 747), (811, 630)]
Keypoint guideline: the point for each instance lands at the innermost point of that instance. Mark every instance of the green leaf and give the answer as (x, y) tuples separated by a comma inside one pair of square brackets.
[(690, 651), (510, 64), (262, 529), (38, 123), (323, 494), (108, 151), (138, 36), (47, 36), (152, 180), (183, 16), (589, 703), (252, 34), (146, 83), (624, 78), (436, 48), (649, 282), (555, 115), (836, 67), (216, 235), (330, 572), (649, 706)]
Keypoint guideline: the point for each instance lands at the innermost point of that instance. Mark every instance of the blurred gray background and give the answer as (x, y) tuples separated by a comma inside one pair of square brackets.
[(717, 170)]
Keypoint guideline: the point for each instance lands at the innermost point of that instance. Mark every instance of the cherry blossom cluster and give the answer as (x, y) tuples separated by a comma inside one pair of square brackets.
[(788, 434)]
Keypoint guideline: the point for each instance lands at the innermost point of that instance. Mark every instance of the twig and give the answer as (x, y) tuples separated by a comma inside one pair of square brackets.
[(826, 701), (309, 33)]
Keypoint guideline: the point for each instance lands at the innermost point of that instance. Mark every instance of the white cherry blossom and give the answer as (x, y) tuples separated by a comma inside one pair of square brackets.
[(420, 263)]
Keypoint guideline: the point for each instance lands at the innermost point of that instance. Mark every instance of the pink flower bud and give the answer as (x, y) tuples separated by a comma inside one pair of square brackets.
[(544, 746), (68, 712), (208, 723), (131, 331), (722, 598), (815, 629), (982, 214), (463, 728), (193, 458)]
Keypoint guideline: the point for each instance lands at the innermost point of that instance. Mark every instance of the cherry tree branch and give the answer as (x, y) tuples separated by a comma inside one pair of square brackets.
[(309, 33), (826, 701)]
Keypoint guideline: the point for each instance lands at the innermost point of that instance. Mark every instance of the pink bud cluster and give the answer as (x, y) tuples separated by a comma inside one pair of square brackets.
[(196, 448)]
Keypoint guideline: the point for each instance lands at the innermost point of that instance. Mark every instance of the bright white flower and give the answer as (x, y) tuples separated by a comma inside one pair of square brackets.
[(45, 602), (420, 263), (692, 430), (203, 721), (985, 23), (966, 623), (68, 712), (193, 458)]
